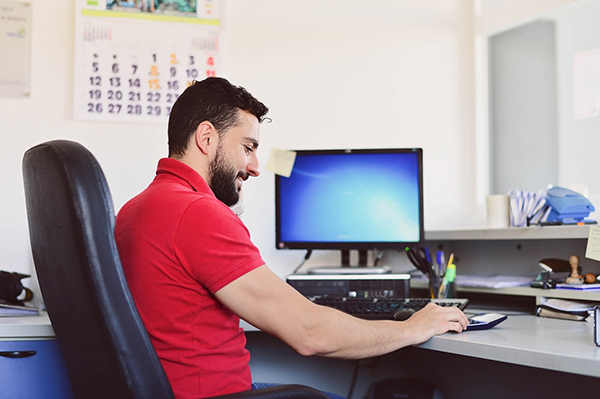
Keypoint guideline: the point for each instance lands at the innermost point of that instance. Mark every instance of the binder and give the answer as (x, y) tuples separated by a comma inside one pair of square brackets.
[(564, 309), (557, 314)]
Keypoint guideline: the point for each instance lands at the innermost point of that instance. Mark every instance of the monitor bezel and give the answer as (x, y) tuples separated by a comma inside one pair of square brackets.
[(350, 245)]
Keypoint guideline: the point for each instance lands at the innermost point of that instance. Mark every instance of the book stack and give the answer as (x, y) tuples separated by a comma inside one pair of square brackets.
[(528, 208), (564, 309), (578, 287)]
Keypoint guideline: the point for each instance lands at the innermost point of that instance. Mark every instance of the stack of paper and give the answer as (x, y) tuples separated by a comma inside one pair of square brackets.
[(527, 207), (492, 281), (8, 309)]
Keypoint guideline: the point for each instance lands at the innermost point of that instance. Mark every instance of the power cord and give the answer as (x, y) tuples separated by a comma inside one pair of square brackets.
[(354, 379), (308, 253), (378, 256)]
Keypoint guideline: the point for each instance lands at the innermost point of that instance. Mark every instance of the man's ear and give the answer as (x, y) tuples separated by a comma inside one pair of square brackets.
[(205, 133)]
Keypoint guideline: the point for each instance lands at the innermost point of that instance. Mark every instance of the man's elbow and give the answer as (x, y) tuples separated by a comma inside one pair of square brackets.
[(307, 350), (312, 333), (312, 345)]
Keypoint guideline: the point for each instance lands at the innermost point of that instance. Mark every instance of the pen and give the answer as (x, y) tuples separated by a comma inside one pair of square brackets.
[(427, 255), (450, 263), (450, 260), (443, 286), (432, 273)]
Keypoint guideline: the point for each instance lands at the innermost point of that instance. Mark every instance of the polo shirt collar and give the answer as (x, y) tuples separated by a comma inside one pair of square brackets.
[(184, 172)]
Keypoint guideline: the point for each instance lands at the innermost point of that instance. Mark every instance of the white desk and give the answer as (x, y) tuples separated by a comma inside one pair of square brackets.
[(26, 327), (553, 344), (545, 343), (542, 343)]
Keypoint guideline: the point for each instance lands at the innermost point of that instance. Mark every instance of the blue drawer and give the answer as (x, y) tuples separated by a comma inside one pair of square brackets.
[(42, 375)]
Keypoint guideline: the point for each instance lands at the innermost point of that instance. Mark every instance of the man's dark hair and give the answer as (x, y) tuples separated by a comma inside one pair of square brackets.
[(214, 100)]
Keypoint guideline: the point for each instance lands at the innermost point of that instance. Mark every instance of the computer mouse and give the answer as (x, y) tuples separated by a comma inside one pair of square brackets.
[(403, 314)]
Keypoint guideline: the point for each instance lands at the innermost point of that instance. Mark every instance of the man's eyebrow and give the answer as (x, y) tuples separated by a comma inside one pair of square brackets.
[(254, 142)]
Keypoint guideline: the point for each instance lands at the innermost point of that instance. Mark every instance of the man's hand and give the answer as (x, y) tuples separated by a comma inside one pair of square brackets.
[(435, 320), (269, 303)]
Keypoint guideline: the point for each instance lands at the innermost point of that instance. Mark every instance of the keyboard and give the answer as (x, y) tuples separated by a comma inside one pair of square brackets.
[(382, 308)]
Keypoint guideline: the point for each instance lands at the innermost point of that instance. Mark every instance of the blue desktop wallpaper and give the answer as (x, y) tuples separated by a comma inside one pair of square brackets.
[(358, 197)]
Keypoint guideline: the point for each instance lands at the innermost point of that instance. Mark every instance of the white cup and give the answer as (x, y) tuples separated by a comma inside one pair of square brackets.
[(498, 211)]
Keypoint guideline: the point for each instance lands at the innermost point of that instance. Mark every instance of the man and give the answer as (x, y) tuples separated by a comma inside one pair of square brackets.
[(193, 270)]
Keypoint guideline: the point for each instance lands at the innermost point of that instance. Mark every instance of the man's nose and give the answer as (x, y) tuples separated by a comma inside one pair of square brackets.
[(253, 167)]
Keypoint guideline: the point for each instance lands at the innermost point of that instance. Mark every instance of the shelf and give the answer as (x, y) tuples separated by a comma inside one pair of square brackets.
[(511, 233), (523, 291), (537, 292)]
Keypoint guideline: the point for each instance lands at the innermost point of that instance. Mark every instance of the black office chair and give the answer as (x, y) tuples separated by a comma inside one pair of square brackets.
[(106, 348)]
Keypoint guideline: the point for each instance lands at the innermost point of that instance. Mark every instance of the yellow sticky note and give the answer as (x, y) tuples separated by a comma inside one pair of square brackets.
[(592, 250), (281, 162)]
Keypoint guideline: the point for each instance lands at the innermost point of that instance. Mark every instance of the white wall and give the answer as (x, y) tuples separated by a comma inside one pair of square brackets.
[(335, 74), (577, 140), (578, 30), (522, 72)]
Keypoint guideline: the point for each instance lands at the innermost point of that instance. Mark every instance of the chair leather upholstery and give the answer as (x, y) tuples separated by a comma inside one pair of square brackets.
[(106, 348)]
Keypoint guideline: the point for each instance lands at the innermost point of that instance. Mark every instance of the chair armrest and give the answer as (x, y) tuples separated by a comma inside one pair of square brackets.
[(291, 391)]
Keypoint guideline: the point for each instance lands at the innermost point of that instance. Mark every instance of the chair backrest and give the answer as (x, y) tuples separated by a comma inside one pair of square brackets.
[(106, 348)]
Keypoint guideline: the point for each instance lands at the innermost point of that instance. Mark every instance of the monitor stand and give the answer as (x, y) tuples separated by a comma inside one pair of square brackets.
[(345, 267)]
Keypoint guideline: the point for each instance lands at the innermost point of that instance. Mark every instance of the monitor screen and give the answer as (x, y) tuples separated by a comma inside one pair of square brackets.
[(351, 199)]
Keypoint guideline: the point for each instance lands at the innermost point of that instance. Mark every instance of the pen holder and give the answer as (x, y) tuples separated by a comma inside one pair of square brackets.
[(447, 287), (445, 291), (450, 291)]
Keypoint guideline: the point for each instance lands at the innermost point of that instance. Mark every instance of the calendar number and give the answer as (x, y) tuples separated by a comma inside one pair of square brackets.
[(95, 108), (121, 86)]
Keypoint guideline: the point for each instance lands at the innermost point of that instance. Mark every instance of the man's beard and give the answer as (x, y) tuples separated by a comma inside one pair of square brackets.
[(222, 179)]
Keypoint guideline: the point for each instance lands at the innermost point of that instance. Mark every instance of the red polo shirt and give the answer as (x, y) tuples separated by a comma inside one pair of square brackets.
[(179, 245)]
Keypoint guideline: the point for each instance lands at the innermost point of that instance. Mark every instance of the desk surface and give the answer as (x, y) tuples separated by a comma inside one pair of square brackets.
[(26, 327), (553, 344)]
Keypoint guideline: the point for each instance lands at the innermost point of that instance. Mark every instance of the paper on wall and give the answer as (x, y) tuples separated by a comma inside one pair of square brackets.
[(15, 47), (592, 250), (281, 162)]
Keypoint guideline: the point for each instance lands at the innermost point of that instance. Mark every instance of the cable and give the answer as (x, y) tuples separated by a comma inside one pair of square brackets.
[(378, 256), (308, 253), (354, 378)]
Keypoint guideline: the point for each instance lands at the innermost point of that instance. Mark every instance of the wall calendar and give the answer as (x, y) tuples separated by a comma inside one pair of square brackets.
[(133, 58)]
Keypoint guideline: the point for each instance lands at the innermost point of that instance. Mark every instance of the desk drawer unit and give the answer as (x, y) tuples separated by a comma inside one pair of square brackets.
[(33, 369)]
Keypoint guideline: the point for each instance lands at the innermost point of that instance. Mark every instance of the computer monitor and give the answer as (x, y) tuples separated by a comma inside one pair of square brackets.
[(351, 200)]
